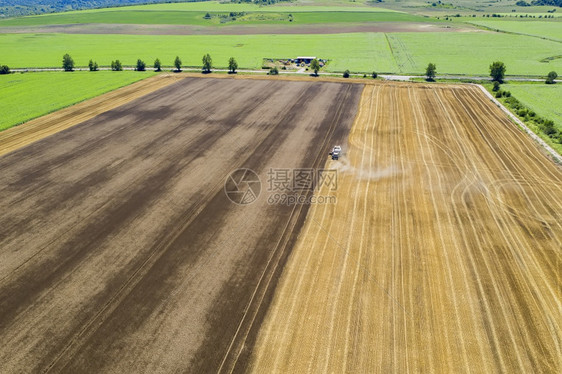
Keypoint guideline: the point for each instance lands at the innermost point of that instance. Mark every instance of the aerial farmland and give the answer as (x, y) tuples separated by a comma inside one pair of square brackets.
[(171, 204)]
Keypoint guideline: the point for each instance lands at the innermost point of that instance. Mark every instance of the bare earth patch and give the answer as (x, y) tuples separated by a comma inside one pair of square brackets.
[(134, 29)]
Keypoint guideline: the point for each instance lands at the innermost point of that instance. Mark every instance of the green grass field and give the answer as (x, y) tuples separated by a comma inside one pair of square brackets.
[(197, 18), (361, 51), (547, 28), (454, 53), (544, 99), (472, 53), (30, 95)]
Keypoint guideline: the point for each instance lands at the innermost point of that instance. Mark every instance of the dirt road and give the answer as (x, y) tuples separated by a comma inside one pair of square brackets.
[(119, 250), (442, 253)]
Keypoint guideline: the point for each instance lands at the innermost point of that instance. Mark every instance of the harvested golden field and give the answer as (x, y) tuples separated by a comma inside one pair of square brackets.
[(442, 253)]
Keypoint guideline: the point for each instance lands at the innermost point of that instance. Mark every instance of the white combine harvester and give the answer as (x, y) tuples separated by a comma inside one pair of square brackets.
[(336, 152)]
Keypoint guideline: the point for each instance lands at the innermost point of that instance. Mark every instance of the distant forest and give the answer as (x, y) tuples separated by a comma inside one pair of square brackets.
[(548, 2), (259, 2), (12, 8), (540, 2)]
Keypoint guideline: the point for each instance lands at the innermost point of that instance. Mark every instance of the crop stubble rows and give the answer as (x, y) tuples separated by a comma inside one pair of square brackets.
[(442, 253)]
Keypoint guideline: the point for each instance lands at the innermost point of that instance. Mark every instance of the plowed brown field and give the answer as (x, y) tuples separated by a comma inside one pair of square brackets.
[(442, 253), (119, 250)]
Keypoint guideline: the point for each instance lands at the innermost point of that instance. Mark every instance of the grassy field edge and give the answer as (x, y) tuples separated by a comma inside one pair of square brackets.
[(530, 123), (17, 95)]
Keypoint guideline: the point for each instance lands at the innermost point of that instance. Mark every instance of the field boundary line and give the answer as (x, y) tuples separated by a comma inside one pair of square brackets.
[(557, 157), (489, 28), (271, 258), (392, 51), (279, 248)]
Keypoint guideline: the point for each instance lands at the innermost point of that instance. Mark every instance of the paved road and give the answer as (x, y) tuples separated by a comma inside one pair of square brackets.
[(396, 77)]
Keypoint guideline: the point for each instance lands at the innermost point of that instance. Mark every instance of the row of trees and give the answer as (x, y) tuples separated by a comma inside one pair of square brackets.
[(546, 126), (68, 64), (497, 72), (430, 72), (497, 68)]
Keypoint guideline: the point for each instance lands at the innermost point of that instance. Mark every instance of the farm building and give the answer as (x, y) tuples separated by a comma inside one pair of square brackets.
[(306, 60)]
